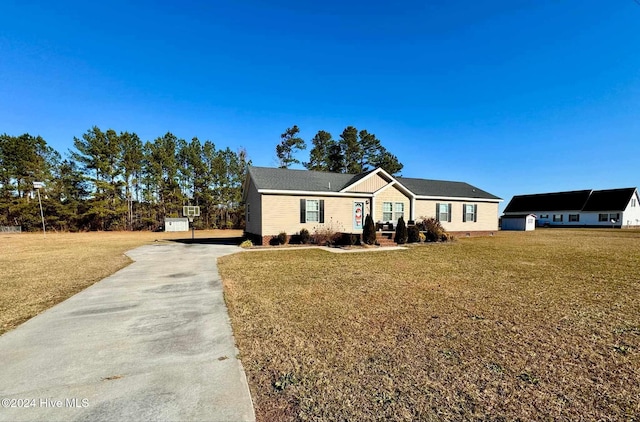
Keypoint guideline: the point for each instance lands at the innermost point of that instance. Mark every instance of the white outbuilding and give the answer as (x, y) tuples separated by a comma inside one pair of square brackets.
[(519, 222), (176, 224)]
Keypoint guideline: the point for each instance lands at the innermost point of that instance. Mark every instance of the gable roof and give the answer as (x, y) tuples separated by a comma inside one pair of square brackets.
[(609, 200), (426, 187), (580, 200), (556, 201), (316, 181), (298, 180)]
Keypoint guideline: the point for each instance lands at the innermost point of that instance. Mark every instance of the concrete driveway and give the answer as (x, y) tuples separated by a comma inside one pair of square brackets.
[(151, 342)]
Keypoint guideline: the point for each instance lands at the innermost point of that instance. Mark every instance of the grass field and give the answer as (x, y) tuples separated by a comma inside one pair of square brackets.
[(36, 272), (520, 326)]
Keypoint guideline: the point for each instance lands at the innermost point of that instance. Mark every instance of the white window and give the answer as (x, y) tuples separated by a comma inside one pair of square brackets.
[(557, 217), (398, 211), (603, 217), (544, 215), (469, 212), (574, 217), (633, 202), (313, 210), (443, 212), (614, 217), (387, 211)]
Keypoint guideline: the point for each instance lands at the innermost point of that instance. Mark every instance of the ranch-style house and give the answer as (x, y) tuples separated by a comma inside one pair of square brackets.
[(581, 208), (284, 200)]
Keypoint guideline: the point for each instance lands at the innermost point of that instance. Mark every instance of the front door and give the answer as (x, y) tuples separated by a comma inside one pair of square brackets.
[(358, 215)]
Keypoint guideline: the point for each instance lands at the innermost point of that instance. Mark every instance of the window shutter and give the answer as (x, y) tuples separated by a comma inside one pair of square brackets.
[(303, 210), (438, 212), (322, 210), (475, 213), (449, 220), (464, 213)]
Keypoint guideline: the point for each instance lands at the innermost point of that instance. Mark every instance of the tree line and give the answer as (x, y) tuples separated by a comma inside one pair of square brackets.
[(115, 181), (354, 152)]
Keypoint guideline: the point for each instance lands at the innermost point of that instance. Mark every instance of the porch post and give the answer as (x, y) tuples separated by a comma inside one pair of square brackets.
[(412, 212), (372, 210)]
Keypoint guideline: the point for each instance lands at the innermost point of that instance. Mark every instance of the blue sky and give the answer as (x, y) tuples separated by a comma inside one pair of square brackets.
[(512, 96)]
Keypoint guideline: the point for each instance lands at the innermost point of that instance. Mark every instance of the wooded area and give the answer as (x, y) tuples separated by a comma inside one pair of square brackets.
[(114, 181), (355, 152)]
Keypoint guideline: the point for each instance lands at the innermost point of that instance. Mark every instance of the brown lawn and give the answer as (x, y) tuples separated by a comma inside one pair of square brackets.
[(36, 272), (542, 325)]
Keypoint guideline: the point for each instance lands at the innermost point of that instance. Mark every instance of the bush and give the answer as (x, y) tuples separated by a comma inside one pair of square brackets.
[(326, 234), (434, 231), (447, 237), (401, 232), (305, 236), (282, 238), (350, 239), (369, 231), (246, 244), (413, 234)]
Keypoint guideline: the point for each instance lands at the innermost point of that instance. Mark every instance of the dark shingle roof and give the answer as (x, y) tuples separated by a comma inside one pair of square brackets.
[(556, 201), (287, 179), (425, 187), (316, 181), (580, 200), (609, 200)]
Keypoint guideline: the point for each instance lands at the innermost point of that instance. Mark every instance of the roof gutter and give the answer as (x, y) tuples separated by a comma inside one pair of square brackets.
[(314, 193), (459, 198)]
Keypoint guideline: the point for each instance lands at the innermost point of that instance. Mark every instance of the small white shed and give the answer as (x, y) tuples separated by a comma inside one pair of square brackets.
[(522, 222), (176, 224)]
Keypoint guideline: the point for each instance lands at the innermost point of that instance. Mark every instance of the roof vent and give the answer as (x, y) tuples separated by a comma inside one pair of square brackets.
[(329, 185)]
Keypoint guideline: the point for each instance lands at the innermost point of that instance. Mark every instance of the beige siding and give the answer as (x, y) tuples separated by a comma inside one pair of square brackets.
[(282, 213), (391, 195), (253, 223), (369, 185), (487, 219)]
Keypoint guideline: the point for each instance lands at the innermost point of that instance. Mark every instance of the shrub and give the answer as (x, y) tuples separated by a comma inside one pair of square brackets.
[(246, 244), (401, 232), (326, 234), (447, 237), (282, 238), (350, 239), (305, 236), (434, 231), (369, 231), (413, 234)]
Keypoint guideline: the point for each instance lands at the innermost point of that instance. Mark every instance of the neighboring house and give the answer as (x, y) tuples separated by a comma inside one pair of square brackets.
[(518, 222), (176, 224), (283, 200), (583, 208)]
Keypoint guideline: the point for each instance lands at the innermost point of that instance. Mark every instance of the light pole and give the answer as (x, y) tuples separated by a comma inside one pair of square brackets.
[(37, 186)]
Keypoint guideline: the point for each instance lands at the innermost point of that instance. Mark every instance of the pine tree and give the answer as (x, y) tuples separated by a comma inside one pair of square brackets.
[(369, 231), (352, 150), (401, 232), (319, 154), (290, 143)]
